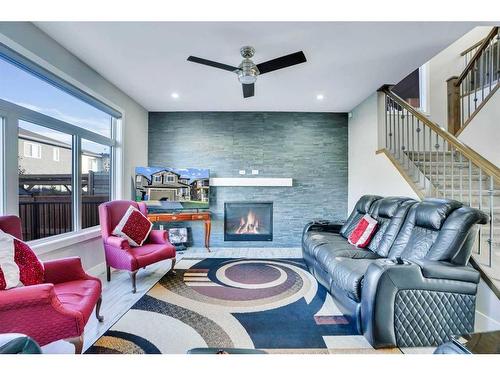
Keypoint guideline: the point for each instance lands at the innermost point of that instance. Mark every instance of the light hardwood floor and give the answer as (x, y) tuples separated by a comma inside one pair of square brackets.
[(118, 298)]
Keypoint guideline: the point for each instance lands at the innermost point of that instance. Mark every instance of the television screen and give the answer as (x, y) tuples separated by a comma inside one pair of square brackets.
[(171, 189)]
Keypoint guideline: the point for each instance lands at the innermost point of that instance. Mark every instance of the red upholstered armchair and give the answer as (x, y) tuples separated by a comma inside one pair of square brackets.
[(55, 310), (119, 254)]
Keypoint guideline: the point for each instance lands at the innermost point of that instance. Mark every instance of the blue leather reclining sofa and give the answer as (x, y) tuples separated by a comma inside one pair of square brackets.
[(412, 285)]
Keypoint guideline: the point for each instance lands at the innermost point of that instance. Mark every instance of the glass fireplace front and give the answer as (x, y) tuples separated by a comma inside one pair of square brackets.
[(248, 221)]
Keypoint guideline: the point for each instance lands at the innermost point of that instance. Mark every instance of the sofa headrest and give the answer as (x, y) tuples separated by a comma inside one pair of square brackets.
[(364, 203), (432, 212), (387, 207)]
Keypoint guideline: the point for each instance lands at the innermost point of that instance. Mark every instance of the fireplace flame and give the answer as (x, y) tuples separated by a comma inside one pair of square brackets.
[(248, 225)]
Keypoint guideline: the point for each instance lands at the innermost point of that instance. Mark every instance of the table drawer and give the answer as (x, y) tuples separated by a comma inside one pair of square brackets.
[(200, 216)]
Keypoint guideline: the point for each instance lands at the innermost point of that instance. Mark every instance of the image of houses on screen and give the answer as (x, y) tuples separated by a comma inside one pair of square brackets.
[(172, 188)]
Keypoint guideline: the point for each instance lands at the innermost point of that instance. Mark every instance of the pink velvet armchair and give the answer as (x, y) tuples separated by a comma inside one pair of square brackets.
[(119, 254), (55, 310)]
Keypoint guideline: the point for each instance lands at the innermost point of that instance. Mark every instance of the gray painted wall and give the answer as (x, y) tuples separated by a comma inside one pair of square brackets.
[(311, 148)]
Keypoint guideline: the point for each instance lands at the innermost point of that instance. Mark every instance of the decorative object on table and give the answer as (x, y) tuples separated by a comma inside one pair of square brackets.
[(119, 253), (179, 238), (185, 216)]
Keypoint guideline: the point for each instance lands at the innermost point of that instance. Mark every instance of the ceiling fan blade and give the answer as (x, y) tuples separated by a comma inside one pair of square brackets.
[(282, 62), (248, 90), (212, 63)]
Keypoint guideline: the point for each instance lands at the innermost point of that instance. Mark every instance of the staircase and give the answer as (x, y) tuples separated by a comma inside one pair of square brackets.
[(437, 164)]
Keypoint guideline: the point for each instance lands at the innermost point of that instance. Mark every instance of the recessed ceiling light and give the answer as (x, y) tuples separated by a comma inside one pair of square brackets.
[(174, 95), (320, 97)]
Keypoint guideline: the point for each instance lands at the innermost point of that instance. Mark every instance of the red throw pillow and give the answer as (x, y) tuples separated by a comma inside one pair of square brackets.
[(134, 227), (19, 266), (364, 231)]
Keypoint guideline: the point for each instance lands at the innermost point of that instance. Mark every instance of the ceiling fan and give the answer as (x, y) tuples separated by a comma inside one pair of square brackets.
[(248, 71)]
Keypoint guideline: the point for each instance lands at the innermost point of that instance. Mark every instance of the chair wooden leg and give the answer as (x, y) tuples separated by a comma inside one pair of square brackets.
[(172, 270), (108, 273), (132, 276), (99, 317), (78, 343)]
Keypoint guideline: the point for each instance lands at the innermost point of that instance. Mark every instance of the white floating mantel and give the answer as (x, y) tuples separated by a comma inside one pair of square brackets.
[(250, 181)]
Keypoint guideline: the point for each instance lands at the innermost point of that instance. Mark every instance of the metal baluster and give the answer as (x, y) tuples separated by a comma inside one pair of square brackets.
[(461, 184), (413, 142), (480, 207), (470, 183), (462, 104), (490, 240), (436, 167), (469, 83), (391, 133), (431, 161), (452, 173), (490, 67), (418, 130), (407, 145), (444, 168), (483, 59), (398, 149), (386, 110), (424, 155)]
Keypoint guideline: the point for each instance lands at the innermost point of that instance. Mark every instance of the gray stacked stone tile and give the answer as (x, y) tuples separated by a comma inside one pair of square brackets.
[(311, 148)]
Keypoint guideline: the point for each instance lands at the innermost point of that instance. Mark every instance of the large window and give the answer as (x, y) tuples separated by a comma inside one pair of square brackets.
[(63, 154)]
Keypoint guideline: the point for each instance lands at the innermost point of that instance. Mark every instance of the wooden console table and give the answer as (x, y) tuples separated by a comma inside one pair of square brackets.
[(186, 216)]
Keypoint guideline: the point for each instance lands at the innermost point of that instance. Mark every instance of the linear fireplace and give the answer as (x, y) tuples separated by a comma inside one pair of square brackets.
[(248, 221)]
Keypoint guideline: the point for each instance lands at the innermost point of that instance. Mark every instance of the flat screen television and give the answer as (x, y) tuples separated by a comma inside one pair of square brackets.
[(172, 189)]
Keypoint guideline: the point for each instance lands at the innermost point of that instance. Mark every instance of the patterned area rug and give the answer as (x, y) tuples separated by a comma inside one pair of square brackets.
[(275, 305)]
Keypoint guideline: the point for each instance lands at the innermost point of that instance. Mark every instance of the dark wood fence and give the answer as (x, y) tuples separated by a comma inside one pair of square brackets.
[(44, 216)]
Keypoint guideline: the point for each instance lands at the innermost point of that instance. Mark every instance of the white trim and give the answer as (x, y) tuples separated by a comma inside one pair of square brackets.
[(53, 243), (251, 181), (424, 88), (29, 147)]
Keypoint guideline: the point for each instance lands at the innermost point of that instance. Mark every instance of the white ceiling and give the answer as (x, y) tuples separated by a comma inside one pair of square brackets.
[(347, 61)]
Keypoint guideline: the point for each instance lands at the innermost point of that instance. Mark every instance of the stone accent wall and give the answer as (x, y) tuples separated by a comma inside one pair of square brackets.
[(311, 148)]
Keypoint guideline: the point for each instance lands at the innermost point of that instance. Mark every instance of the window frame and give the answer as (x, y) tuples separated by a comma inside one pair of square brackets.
[(14, 113), (32, 146), (56, 154)]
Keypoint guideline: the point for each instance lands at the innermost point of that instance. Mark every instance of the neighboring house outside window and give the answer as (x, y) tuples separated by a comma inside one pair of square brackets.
[(32, 150)]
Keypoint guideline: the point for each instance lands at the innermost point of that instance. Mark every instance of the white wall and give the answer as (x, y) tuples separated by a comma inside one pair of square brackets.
[(370, 173), (483, 132), (31, 42), (446, 64)]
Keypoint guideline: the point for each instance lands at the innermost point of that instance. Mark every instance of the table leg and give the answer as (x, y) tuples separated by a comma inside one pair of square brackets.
[(208, 227)]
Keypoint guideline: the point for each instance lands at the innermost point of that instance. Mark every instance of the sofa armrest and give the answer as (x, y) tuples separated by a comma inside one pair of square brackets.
[(63, 270), (158, 236), (323, 226), (118, 242), (434, 269), (387, 284)]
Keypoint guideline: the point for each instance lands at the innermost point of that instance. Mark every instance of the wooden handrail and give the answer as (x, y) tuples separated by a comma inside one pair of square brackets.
[(468, 152), (475, 45), (482, 47)]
